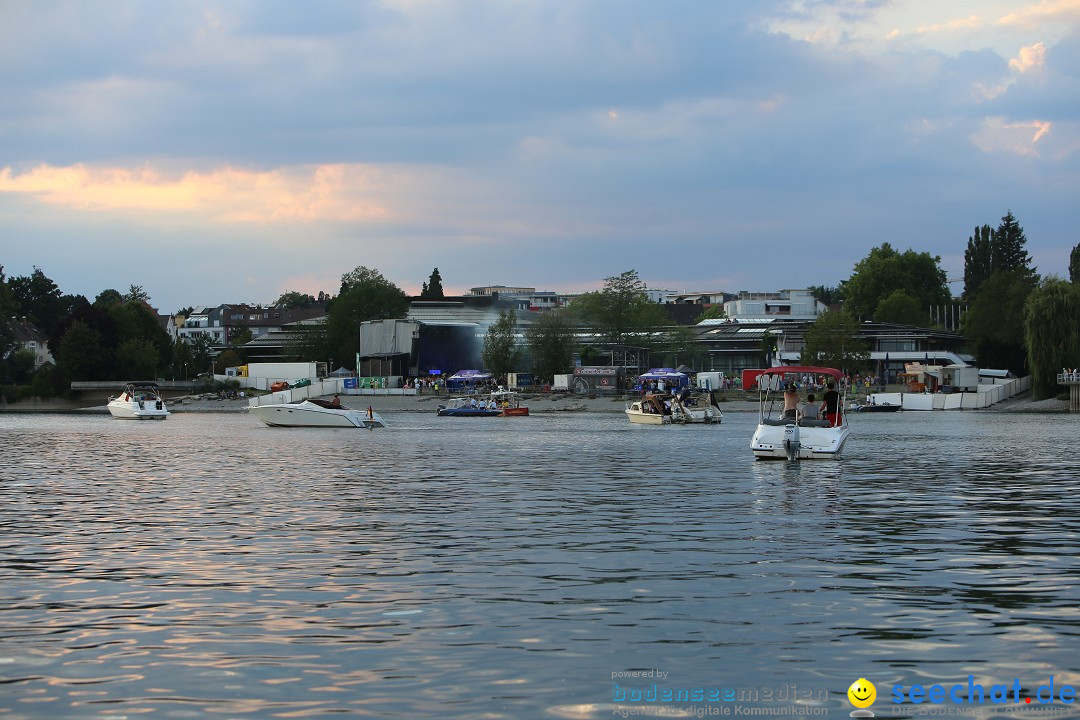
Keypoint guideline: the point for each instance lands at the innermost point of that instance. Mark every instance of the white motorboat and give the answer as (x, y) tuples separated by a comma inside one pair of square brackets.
[(690, 405), (316, 413), (139, 401), (649, 410), (797, 438)]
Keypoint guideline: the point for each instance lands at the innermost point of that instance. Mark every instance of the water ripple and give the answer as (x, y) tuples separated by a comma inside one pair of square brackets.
[(207, 566)]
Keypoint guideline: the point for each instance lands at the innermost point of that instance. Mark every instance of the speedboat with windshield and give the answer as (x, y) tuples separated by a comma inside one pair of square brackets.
[(315, 412), (139, 401), (797, 438)]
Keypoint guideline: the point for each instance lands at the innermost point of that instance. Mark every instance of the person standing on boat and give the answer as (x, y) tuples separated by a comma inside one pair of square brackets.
[(791, 402), (830, 404)]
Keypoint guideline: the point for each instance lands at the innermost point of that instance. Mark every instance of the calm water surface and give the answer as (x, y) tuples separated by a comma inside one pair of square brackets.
[(207, 566)]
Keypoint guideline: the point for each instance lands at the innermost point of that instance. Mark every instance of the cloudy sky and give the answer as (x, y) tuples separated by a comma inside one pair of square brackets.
[(229, 151)]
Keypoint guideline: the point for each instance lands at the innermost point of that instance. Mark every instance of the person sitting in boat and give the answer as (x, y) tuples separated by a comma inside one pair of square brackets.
[(336, 402), (472, 403), (830, 404), (811, 410), (791, 402)]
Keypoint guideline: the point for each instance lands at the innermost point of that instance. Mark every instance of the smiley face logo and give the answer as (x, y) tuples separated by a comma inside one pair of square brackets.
[(862, 693)]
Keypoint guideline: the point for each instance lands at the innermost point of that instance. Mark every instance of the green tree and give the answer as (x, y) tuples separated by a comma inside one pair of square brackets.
[(433, 289), (680, 346), (202, 353), (900, 307), (885, 270), (365, 295), (293, 299), (239, 335), (713, 312), (39, 299), (994, 322), (8, 307), (136, 294), (827, 295), (1051, 333), (185, 311), (501, 354), (81, 355), (833, 341), (20, 366), (1009, 253), (134, 320), (183, 361), (621, 311), (1074, 265), (768, 349), (227, 359), (551, 344), (48, 382), (108, 298), (978, 260), (309, 343), (137, 359)]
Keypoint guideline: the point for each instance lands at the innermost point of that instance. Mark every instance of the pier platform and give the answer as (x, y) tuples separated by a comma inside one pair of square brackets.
[(1071, 380)]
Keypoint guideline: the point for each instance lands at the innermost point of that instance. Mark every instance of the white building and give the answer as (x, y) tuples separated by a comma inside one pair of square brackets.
[(782, 305), (28, 337)]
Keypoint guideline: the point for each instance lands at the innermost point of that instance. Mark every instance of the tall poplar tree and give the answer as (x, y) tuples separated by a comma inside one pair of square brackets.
[(978, 261)]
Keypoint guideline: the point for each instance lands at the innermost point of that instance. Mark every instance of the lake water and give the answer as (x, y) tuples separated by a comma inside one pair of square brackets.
[(207, 566)]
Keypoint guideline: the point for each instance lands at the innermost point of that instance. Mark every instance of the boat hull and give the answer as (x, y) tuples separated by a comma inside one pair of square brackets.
[(814, 443), (132, 411), (468, 412), (308, 415), (515, 412), (706, 416), (877, 408), (640, 418)]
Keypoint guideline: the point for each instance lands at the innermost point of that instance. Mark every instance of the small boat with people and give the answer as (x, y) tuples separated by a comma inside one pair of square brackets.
[(668, 396), (509, 403), (693, 405), (138, 401), (792, 433), (315, 412), (651, 409), (498, 403)]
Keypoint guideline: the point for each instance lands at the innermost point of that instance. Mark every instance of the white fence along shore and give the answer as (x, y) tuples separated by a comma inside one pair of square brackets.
[(319, 388), (985, 396)]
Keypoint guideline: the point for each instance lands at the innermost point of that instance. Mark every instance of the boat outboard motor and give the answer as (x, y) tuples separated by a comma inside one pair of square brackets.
[(792, 442)]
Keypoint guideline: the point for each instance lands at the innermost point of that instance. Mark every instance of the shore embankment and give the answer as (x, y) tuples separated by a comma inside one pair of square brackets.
[(537, 403), (547, 403)]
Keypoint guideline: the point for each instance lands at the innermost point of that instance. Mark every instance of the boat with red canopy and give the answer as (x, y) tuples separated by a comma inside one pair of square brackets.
[(794, 437)]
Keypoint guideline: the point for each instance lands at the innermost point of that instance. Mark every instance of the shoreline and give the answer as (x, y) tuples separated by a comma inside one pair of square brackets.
[(537, 404)]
